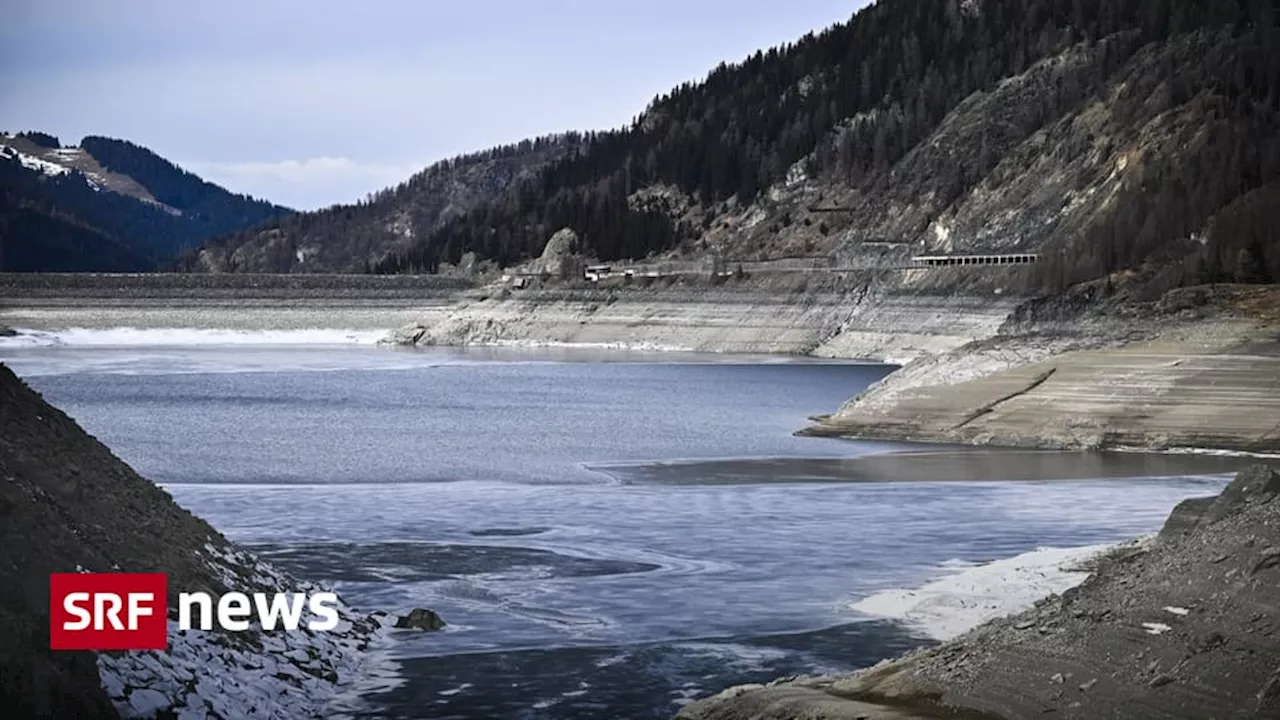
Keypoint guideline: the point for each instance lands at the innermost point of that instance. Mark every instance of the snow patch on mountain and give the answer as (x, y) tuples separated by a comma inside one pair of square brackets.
[(32, 162)]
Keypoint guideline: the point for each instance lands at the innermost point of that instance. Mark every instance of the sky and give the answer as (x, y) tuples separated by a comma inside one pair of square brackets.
[(314, 102)]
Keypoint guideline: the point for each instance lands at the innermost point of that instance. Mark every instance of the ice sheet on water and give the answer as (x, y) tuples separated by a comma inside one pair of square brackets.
[(969, 596)]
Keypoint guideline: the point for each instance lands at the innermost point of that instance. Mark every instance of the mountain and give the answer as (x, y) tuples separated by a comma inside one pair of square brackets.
[(1109, 136), (107, 205), (354, 237)]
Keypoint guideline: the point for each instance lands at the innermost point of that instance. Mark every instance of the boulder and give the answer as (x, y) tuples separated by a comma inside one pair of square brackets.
[(407, 335), (1255, 484), (561, 248), (420, 619), (1186, 517)]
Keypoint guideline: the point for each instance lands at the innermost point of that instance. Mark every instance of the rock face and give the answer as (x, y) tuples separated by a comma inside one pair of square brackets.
[(67, 505), (420, 619), (1187, 627), (559, 249)]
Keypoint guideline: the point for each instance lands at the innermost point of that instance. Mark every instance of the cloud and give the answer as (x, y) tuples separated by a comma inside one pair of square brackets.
[(305, 184)]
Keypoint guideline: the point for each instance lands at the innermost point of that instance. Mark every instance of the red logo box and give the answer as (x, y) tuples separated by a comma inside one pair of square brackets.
[(108, 611)]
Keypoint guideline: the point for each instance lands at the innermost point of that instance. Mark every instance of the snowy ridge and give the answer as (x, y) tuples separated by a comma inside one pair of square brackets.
[(973, 594), (32, 162), (277, 674)]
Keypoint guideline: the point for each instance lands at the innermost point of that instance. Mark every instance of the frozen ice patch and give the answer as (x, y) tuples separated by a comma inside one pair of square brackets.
[(956, 603)]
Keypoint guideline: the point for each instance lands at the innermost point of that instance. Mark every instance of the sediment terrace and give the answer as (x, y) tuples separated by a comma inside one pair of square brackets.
[(845, 318), (1203, 383), (851, 324), (57, 301)]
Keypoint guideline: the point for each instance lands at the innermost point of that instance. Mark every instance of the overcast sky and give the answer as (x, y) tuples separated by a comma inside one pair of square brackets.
[(313, 102)]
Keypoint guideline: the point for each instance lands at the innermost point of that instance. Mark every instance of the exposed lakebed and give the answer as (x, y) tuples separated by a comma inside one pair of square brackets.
[(606, 533)]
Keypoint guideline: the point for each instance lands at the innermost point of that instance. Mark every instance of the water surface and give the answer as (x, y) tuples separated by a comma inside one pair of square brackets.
[(608, 534)]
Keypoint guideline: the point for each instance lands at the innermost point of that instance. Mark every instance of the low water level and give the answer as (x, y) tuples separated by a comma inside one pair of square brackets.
[(608, 534)]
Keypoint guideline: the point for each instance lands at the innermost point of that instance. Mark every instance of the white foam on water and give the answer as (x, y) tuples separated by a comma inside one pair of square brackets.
[(735, 655), (1213, 452), (969, 596), (556, 344)]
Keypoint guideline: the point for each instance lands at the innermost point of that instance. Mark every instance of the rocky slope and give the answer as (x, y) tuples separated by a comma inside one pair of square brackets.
[(1185, 626), (1106, 136), (69, 505)]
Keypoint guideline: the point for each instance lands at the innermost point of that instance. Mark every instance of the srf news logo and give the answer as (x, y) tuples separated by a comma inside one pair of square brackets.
[(128, 611), (108, 611)]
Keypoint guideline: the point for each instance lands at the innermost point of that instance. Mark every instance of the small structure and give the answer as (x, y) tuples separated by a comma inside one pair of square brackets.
[(595, 272)]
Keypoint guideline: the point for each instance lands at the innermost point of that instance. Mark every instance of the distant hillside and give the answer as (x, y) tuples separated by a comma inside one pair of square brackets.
[(1108, 135), (355, 237), (107, 205)]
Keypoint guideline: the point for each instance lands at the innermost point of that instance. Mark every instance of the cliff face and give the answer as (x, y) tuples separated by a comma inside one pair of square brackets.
[(69, 505), (1021, 167)]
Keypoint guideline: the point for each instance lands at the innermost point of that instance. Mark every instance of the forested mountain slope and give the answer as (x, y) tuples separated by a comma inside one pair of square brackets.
[(1108, 135), (107, 205), (354, 237)]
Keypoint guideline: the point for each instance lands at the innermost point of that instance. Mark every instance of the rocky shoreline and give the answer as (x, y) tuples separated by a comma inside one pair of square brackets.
[(69, 505), (1187, 625)]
